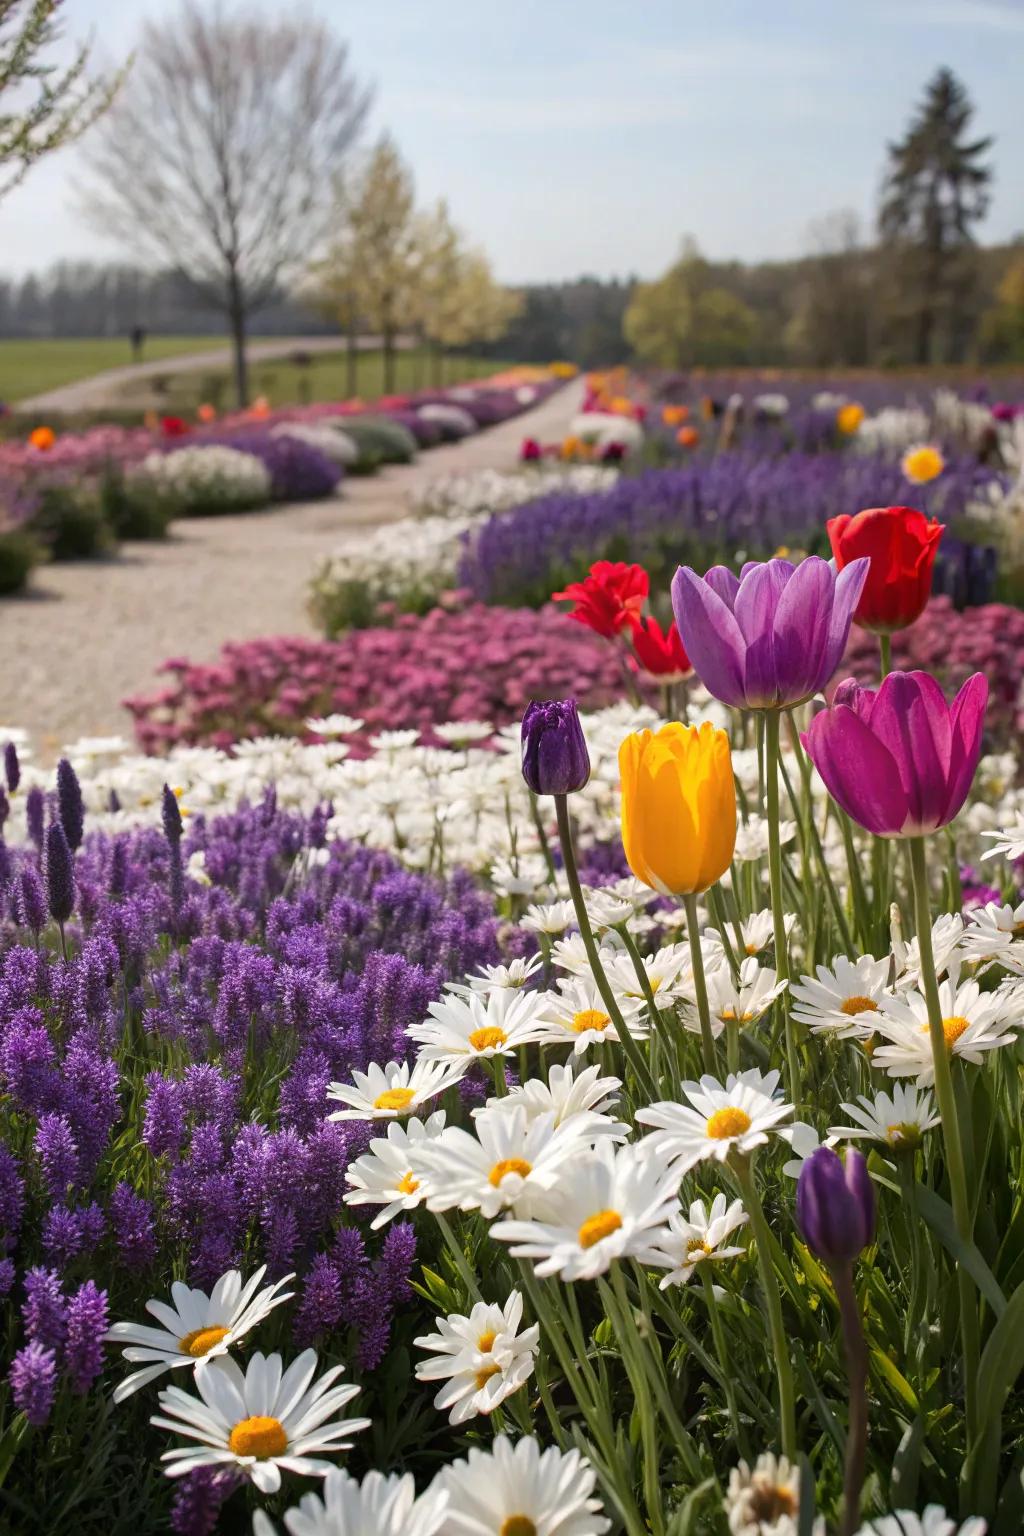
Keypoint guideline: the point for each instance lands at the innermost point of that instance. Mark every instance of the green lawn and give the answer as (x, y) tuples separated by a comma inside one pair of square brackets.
[(325, 378), (33, 367)]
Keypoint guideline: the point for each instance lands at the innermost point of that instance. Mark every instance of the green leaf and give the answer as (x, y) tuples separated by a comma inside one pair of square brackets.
[(906, 1466), (939, 1217), (899, 1383), (1002, 1359)]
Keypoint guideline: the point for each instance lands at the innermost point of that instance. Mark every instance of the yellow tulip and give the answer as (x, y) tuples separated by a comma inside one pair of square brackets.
[(678, 807), (849, 418)]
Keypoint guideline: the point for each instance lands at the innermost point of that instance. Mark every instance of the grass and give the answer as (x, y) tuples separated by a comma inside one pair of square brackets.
[(326, 377), (33, 367)]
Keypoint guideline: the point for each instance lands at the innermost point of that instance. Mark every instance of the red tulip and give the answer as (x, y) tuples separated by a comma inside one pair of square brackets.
[(530, 450), (173, 426), (901, 544), (609, 598), (660, 654)]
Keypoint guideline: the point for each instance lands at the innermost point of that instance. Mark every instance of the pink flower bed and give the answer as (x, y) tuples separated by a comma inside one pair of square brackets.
[(477, 664)]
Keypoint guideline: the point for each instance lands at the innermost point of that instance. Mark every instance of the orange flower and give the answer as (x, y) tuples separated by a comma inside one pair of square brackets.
[(687, 437), (571, 448), (42, 438), (260, 407), (849, 418), (207, 412), (674, 415)]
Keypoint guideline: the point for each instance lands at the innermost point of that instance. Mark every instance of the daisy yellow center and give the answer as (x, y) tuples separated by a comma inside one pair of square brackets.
[(727, 1122), (854, 1005), (407, 1185), (485, 1343), (509, 1165), (394, 1098), (487, 1038), (655, 982), (728, 1015), (904, 1134), (201, 1340), (589, 1018), (259, 1436), (769, 1502), (1018, 930), (600, 1225), (952, 1028), (485, 1373), (698, 1245), (518, 1525)]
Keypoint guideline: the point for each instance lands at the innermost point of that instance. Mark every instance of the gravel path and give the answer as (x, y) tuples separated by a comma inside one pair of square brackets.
[(103, 390), (89, 634)]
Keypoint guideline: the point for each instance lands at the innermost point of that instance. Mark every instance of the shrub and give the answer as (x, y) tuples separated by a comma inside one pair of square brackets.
[(69, 520), (381, 441), (132, 511), (297, 470), (19, 552), (415, 673), (333, 442)]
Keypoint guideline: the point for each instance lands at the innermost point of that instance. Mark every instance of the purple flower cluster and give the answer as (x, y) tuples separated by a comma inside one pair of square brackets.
[(168, 1076), (738, 505)]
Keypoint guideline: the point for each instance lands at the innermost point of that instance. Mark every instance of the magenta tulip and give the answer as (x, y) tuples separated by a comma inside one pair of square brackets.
[(901, 760), (771, 637)]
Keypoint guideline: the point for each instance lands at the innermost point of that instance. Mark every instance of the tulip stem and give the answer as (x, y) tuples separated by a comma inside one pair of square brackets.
[(700, 986), (633, 1053), (856, 1352), (946, 1100), (773, 1304), (771, 721), (885, 655)]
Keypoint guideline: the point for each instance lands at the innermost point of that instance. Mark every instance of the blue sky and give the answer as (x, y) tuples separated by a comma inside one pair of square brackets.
[(591, 135)]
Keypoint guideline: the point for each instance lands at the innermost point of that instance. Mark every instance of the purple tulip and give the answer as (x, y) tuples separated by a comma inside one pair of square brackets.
[(835, 1205), (771, 637), (901, 760), (555, 757)]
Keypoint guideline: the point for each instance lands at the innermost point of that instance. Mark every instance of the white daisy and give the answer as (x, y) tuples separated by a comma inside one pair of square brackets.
[(752, 837), (843, 999), (378, 1506), (716, 1121), (576, 1013), (947, 933), (606, 909), (464, 1029), (387, 1174), (995, 933), (731, 1002), (803, 1139), (334, 725), (583, 1097), (571, 954), (973, 1022), (765, 1500), (758, 930), (934, 1522), (482, 1358), (511, 977), (390, 742), (699, 1237), (460, 733), (668, 972), (1008, 842), (611, 1203), (509, 1161), (898, 1122), (195, 1327), (383, 1093), (266, 1420), (521, 1490), (550, 917)]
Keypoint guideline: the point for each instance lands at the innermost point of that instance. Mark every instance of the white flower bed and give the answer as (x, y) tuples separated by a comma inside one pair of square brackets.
[(204, 478), (333, 442), (489, 490)]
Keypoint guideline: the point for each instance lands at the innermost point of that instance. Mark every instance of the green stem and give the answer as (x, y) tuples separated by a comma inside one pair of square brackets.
[(633, 1053), (946, 1100), (722, 1351), (771, 720), (885, 654), (700, 986), (856, 1351), (461, 1262), (773, 1304), (811, 831)]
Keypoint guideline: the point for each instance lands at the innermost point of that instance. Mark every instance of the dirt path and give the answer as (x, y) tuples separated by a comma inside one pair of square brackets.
[(104, 390), (91, 633)]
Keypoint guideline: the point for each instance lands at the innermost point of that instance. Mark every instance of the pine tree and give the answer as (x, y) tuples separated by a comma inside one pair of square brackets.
[(936, 189)]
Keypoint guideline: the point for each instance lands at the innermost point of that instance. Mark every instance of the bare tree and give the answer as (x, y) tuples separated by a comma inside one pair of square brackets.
[(222, 150), (51, 106)]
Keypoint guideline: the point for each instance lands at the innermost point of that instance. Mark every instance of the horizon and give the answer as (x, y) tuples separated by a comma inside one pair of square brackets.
[(561, 175)]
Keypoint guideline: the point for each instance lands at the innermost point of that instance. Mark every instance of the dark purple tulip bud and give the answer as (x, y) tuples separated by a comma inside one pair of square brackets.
[(60, 874), (30, 901), (70, 805), (555, 757), (118, 867), (113, 801), (35, 815), (835, 1205), (5, 807), (12, 768), (170, 815)]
